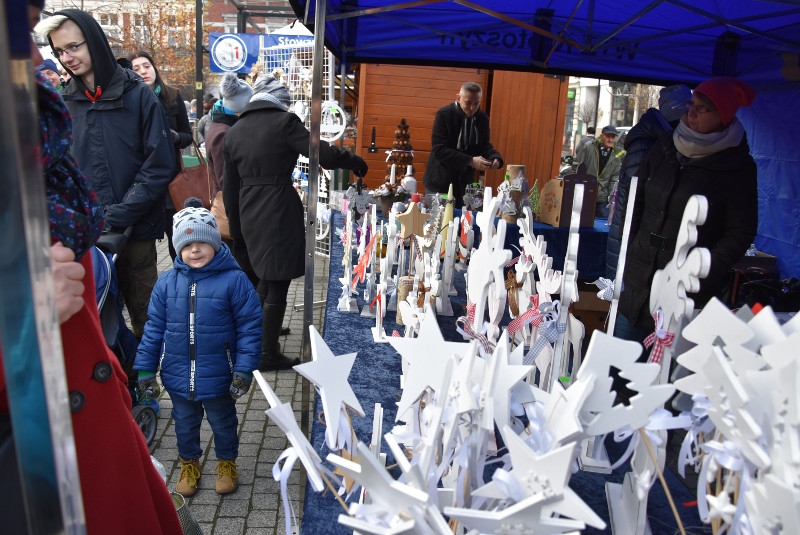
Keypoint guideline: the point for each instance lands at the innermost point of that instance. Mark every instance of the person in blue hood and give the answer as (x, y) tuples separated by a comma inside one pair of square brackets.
[(204, 331)]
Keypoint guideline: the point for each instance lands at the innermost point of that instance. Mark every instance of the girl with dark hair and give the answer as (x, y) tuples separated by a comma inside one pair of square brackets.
[(172, 102)]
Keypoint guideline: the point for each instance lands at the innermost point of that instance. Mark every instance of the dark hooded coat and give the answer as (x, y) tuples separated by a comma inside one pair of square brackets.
[(121, 140), (264, 209), (728, 180)]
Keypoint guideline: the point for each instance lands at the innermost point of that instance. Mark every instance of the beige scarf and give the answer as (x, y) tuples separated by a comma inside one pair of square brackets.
[(696, 145)]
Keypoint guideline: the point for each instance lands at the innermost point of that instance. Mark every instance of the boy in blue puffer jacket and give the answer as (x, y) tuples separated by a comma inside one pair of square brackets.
[(204, 331)]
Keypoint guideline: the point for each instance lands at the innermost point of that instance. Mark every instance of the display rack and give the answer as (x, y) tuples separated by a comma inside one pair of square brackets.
[(293, 66)]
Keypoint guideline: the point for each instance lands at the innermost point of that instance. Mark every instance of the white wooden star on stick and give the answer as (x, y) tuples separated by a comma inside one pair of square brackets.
[(329, 374), (546, 475), (524, 517), (394, 497), (427, 355), (283, 416)]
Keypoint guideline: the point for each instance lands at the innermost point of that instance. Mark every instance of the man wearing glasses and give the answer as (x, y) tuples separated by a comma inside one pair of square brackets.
[(123, 144)]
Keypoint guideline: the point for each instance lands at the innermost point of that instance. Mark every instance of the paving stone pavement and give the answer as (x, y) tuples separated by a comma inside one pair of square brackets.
[(255, 508)]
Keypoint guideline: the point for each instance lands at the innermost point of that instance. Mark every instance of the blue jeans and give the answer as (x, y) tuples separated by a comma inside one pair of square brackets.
[(188, 416), (625, 330), (601, 210)]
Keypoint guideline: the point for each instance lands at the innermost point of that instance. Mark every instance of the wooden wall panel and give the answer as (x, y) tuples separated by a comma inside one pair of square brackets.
[(526, 112), (389, 93), (527, 120)]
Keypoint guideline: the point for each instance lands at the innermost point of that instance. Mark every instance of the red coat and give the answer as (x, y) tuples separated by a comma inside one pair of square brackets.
[(122, 491)]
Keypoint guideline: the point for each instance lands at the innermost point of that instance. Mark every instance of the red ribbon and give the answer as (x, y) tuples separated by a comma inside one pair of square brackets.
[(661, 338), (529, 316)]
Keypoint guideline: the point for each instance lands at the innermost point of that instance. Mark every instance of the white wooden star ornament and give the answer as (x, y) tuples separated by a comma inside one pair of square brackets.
[(329, 374)]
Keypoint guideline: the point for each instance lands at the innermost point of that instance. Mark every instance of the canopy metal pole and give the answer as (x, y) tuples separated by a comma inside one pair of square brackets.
[(29, 330), (313, 194)]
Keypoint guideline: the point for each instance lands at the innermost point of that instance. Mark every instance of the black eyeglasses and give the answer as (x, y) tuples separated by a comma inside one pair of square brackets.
[(71, 49), (699, 108)]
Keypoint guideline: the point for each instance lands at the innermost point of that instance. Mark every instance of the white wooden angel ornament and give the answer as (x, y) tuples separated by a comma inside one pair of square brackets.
[(370, 287), (444, 307), (671, 308), (347, 302)]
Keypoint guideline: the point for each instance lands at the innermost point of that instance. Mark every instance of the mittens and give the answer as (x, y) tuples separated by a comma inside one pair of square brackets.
[(240, 384), (147, 384), (360, 166)]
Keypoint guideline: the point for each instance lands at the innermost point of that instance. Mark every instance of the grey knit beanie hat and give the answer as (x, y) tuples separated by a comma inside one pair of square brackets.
[(235, 92), (194, 223), (269, 89)]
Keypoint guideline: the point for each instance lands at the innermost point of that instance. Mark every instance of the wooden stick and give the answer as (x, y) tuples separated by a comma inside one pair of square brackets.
[(335, 493), (663, 481)]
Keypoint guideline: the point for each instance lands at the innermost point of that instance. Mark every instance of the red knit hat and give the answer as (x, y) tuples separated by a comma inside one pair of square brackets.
[(727, 94)]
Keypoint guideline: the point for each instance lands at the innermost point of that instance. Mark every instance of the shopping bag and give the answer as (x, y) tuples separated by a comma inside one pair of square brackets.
[(218, 211), (191, 182)]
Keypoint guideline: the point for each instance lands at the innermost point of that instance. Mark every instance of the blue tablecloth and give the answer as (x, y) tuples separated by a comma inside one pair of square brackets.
[(591, 248)]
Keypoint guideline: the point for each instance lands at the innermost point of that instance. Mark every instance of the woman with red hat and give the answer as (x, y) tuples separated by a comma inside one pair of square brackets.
[(706, 154)]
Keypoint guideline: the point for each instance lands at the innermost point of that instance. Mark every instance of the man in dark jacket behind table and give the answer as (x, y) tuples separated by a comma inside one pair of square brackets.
[(460, 145), (123, 144), (265, 213)]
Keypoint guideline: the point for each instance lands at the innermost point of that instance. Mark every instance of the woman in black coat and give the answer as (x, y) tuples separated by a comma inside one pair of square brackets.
[(707, 154), (264, 210), (172, 102)]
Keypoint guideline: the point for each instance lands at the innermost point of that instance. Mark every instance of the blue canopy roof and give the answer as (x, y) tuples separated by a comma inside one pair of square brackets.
[(662, 41), (659, 42)]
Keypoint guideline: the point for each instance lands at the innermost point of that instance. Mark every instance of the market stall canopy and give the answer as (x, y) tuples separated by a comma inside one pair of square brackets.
[(662, 41)]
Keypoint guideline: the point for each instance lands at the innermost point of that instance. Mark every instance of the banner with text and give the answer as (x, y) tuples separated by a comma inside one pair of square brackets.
[(238, 52)]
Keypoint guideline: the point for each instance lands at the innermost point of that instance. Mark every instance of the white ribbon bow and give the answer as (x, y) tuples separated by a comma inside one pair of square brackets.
[(660, 420), (606, 287), (549, 330)]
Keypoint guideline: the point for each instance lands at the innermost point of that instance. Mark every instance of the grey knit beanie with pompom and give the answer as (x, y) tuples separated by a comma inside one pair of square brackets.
[(235, 92), (195, 223)]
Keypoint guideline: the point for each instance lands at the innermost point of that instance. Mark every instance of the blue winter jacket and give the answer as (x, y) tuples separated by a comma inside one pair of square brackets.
[(218, 308)]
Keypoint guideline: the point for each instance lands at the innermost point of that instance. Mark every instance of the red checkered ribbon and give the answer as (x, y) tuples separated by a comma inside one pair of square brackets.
[(518, 323), (396, 334), (471, 312), (660, 339)]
